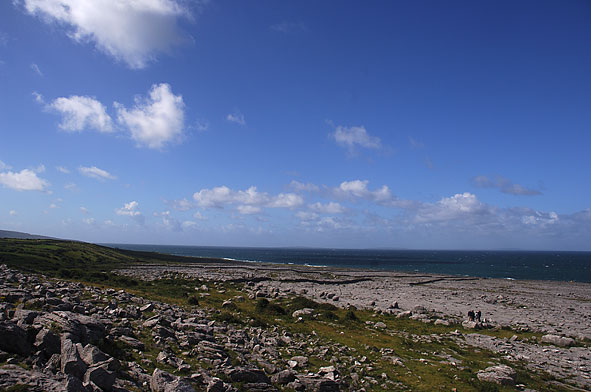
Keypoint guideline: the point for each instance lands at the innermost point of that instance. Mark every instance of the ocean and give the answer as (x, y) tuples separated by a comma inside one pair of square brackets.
[(534, 265)]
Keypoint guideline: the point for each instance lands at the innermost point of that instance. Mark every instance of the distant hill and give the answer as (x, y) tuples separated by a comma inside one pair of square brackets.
[(22, 236)]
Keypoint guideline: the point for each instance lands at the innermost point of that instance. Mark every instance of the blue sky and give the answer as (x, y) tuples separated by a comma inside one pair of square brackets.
[(334, 124)]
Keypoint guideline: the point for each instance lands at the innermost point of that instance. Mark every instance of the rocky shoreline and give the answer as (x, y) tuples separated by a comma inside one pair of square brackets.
[(57, 335)]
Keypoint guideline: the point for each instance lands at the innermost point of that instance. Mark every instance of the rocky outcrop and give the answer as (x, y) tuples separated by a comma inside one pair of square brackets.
[(35, 381)]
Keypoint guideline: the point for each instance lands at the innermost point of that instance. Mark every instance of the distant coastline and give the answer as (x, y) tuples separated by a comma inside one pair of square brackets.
[(503, 264)]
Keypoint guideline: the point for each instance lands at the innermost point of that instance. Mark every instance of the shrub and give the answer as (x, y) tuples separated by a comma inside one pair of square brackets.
[(193, 300), (350, 316), (264, 306)]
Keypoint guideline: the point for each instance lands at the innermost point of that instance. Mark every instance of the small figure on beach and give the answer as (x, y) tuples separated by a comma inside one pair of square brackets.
[(471, 315), (478, 315), (396, 305)]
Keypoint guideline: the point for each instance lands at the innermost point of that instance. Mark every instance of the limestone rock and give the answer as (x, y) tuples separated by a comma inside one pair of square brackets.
[(500, 374), (558, 340), (11, 375), (48, 342), (284, 377), (165, 382), (70, 360), (302, 312), (100, 376)]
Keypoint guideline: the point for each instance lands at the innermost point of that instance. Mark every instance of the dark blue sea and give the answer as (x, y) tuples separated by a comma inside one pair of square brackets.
[(563, 266)]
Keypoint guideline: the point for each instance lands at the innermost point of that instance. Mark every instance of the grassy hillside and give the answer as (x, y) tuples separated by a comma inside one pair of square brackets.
[(78, 260)]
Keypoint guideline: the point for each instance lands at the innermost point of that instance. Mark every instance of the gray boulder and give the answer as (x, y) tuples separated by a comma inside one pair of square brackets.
[(48, 342), (100, 376), (283, 377), (132, 342), (556, 340), (500, 374), (78, 328), (71, 362), (92, 355), (165, 382)]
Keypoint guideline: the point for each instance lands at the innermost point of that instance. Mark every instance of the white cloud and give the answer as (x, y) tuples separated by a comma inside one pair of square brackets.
[(181, 205), (80, 113), (237, 118), (95, 172), (215, 197), (12, 213), (129, 31), (540, 218), (170, 222), (130, 209), (89, 221), (460, 206), (353, 137), (84, 210), (36, 69), (248, 210), (4, 166), (286, 200), (156, 120), (358, 189), (62, 169), (53, 205), (25, 180), (219, 197), (329, 208)]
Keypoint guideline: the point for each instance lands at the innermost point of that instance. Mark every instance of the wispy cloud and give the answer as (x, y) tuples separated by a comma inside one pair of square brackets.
[(504, 185), (414, 143), (355, 137), (237, 118), (301, 187), (290, 27), (95, 172), (36, 69)]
